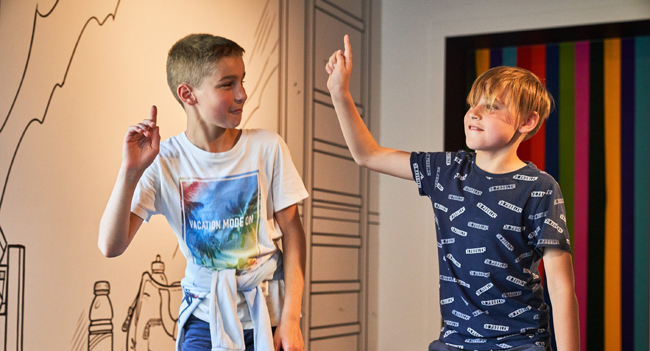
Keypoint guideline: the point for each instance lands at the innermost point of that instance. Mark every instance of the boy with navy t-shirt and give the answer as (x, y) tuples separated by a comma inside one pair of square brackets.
[(496, 216), (492, 231)]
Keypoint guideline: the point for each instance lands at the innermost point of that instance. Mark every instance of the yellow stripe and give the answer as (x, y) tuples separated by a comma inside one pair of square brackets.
[(613, 187), (482, 61)]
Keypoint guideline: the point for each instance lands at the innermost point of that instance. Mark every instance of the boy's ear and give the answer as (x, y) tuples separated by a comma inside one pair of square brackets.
[(529, 123), (185, 93)]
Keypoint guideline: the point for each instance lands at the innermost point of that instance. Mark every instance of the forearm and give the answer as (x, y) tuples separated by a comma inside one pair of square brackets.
[(561, 289), (565, 320), (363, 146), (361, 143), (115, 225), (293, 254), (294, 277)]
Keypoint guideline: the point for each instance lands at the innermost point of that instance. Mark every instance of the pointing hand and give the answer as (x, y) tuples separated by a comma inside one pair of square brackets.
[(141, 144), (339, 68)]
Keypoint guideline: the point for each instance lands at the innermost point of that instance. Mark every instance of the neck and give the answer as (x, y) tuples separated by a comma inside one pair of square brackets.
[(498, 163), (503, 160), (213, 140)]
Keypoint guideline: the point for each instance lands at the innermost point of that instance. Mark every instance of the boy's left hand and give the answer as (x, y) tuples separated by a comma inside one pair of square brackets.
[(288, 337)]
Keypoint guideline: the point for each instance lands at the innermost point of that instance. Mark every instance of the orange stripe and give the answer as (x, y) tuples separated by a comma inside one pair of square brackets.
[(612, 65), (482, 61)]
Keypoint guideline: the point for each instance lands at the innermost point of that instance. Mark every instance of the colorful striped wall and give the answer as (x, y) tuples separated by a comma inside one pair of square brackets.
[(596, 144)]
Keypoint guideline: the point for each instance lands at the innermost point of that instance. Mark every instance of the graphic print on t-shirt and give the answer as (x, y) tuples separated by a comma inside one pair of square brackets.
[(221, 220), (492, 230)]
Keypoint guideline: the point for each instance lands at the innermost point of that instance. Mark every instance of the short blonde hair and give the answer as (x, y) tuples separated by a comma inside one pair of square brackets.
[(525, 93), (193, 58)]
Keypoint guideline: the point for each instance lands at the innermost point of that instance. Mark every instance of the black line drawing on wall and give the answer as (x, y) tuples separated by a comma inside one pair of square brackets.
[(100, 330), (31, 104), (12, 290), (13, 129), (151, 321), (16, 123), (80, 338), (264, 50)]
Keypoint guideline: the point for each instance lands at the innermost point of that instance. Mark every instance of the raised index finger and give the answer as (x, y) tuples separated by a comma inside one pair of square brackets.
[(154, 114), (347, 49)]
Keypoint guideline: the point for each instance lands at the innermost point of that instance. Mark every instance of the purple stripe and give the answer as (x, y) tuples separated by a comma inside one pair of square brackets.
[(496, 57), (552, 124)]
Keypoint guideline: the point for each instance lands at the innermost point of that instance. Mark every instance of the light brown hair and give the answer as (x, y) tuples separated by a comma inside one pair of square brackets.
[(193, 58), (524, 92)]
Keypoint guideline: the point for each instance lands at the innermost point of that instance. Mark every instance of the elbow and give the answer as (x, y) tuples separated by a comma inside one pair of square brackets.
[(108, 251), (108, 241), (108, 248), (369, 156), (363, 159)]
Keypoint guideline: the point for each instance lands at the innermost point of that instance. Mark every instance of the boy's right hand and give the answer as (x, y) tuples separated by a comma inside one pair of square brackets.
[(141, 144), (339, 68)]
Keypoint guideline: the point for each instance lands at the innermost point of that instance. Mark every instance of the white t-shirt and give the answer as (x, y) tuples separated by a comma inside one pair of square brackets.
[(221, 205)]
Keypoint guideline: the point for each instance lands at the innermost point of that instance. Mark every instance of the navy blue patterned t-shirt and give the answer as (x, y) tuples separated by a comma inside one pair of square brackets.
[(491, 233)]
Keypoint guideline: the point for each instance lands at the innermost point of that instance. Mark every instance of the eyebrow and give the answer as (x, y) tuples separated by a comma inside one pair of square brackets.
[(232, 76), (494, 101)]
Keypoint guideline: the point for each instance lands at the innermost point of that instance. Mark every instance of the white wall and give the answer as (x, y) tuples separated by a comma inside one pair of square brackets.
[(411, 116)]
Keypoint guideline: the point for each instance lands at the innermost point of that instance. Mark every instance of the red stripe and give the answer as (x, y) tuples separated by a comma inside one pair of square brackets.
[(524, 60)]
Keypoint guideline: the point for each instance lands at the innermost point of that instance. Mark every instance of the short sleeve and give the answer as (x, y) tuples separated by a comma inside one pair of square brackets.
[(146, 202), (417, 170), (549, 221), (425, 167), (288, 188)]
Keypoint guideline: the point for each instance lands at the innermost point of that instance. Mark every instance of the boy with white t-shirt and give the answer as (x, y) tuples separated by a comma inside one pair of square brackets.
[(228, 195)]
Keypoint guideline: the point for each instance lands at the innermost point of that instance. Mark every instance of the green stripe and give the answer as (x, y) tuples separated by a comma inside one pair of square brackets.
[(641, 190), (566, 111)]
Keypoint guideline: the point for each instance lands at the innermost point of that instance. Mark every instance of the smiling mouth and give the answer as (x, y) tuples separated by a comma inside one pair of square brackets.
[(475, 128)]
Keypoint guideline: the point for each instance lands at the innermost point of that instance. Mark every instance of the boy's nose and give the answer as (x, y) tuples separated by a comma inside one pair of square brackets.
[(474, 113), (241, 96)]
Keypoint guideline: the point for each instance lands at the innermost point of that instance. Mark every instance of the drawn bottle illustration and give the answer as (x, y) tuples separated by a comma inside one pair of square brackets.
[(152, 320), (158, 271), (100, 331)]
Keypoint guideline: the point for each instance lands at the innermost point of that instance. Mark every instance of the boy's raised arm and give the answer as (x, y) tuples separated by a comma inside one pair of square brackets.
[(362, 145), (560, 280), (118, 225)]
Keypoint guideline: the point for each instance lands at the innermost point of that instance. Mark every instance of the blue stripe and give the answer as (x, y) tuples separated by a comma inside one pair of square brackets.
[(641, 191)]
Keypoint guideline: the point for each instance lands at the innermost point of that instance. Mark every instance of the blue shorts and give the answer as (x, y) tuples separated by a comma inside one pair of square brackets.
[(197, 336), (441, 346)]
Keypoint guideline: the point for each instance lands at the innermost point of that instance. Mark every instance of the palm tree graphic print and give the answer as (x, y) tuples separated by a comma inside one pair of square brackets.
[(221, 220)]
